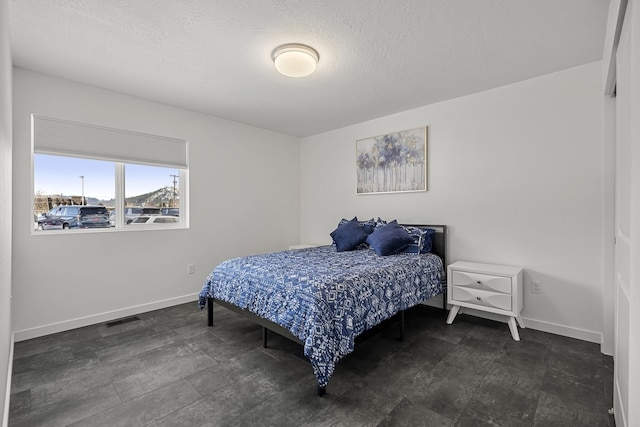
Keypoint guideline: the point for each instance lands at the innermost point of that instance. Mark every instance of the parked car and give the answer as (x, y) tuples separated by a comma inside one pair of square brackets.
[(39, 221), (151, 211), (75, 216), (170, 211), (156, 219), (46, 214), (130, 213)]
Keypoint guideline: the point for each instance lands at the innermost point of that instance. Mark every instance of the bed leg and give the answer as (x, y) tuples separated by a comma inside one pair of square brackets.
[(264, 337), (444, 297), (401, 325), (322, 391), (210, 311)]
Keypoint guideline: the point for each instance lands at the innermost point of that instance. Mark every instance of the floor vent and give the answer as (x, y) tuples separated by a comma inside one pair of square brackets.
[(122, 321)]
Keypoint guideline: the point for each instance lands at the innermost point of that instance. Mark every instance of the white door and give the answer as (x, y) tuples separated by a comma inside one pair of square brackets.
[(625, 280)]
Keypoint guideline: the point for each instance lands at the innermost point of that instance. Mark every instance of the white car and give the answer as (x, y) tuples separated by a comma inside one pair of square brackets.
[(155, 219), (130, 213)]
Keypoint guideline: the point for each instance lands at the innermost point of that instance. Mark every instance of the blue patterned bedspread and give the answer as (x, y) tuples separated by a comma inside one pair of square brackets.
[(323, 297)]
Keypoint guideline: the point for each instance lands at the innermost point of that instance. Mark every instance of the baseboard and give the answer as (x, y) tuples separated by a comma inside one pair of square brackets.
[(53, 328), (538, 325), (567, 331), (7, 396), (101, 317)]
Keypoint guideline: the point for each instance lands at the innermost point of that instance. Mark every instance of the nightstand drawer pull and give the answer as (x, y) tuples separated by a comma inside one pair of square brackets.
[(479, 299), (479, 282)]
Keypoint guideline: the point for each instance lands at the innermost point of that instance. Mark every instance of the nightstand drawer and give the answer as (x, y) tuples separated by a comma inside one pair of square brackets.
[(483, 298), (482, 281)]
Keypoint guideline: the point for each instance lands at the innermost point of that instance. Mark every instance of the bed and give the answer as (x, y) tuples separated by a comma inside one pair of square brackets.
[(323, 297)]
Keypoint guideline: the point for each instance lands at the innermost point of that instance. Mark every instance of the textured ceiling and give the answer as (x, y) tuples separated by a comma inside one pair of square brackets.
[(377, 57)]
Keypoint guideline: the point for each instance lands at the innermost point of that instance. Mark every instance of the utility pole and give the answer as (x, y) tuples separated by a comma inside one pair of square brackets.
[(175, 177), (83, 201)]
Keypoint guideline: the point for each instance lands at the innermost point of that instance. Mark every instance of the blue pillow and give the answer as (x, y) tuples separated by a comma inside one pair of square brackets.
[(389, 239), (380, 222), (342, 221), (368, 226), (427, 241), (348, 236), (422, 239)]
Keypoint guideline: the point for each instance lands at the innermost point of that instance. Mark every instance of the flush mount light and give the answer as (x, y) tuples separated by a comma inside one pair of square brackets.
[(295, 60)]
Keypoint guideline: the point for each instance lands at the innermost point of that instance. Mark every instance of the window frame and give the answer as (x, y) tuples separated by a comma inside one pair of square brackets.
[(181, 164)]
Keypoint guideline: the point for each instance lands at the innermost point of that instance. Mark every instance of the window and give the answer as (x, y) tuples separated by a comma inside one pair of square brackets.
[(91, 177)]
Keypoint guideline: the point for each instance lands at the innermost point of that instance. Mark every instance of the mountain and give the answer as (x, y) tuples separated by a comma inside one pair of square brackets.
[(161, 197)]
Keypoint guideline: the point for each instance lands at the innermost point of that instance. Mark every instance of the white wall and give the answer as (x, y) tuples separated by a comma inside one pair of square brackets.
[(244, 198), (5, 211), (515, 172)]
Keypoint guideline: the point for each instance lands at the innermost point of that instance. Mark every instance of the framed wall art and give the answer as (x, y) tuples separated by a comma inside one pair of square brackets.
[(395, 162)]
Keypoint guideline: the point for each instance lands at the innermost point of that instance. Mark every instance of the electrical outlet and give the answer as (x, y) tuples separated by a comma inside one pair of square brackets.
[(191, 268), (535, 287)]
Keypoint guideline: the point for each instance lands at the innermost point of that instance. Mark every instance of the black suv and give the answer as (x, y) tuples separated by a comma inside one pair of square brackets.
[(75, 216)]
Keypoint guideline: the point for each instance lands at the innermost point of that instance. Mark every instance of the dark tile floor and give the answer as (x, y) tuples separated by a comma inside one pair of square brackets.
[(170, 369)]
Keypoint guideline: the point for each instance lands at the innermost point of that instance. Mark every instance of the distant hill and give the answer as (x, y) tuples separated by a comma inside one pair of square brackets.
[(161, 197)]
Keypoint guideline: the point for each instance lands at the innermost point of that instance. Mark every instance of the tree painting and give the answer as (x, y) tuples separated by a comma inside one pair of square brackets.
[(392, 162)]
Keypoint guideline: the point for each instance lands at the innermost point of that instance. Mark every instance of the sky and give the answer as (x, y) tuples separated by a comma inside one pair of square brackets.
[(61, 175)]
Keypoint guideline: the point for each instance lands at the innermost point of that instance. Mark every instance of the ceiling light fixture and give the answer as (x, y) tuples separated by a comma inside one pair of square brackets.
[(295, 60)]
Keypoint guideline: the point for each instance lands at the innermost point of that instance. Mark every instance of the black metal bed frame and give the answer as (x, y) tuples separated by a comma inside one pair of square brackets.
[(439, 247)]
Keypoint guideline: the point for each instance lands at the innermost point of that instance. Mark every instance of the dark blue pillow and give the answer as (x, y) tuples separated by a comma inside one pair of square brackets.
[(342, 221), (422, 239), (380, 222), (427, 242), (389, 239), (368, 226), (348, 236)]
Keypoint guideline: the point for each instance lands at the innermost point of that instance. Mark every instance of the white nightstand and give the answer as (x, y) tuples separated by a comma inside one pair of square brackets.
[(487, 287)]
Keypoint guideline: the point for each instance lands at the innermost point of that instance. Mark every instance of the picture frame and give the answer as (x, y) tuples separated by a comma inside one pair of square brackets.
[(392, 163)]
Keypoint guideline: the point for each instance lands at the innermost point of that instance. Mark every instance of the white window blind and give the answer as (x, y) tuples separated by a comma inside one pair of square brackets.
[(67, 138)]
